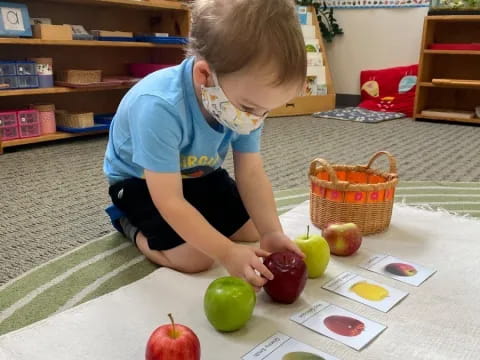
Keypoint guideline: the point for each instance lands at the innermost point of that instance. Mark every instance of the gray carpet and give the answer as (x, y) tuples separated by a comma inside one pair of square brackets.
[(53, 195)]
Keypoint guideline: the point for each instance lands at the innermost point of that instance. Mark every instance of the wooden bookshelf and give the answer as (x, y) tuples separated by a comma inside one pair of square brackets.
[(306, 105), (50, 137), (59, 90), (111, 57), (145, 4), (89, 43), (460, 69)]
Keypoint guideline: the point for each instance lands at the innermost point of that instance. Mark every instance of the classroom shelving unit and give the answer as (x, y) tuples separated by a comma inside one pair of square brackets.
[(111, 57), (460, 67)]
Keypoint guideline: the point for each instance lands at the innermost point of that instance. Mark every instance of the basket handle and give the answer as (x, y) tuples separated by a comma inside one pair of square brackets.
[(391, 159), (331, 172)]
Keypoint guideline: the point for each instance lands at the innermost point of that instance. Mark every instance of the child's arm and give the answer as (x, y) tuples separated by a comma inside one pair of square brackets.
[(257, 195), (239, 260)]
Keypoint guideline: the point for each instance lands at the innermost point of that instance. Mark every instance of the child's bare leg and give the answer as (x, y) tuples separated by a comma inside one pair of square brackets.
[(247, 233), (184, 258)]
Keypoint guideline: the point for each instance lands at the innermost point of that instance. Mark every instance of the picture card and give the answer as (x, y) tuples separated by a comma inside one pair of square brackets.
[(395, 268), (369, 292), (283, 347), (339, 324)]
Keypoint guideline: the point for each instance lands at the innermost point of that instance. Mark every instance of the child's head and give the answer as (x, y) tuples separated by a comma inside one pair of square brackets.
[(255, 47)]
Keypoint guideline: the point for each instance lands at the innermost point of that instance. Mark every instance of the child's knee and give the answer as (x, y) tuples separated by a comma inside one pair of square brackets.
[(193, 267)]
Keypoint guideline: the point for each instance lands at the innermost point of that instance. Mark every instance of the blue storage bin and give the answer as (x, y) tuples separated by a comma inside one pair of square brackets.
[(11, 81), (26, 82), (26, 68), (7, 68)]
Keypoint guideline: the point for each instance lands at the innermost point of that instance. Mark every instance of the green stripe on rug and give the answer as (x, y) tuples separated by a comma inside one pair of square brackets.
[(110, 262)]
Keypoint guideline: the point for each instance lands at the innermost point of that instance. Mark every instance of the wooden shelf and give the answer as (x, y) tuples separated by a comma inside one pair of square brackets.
[(145, 4), (452, 52), (453, 18), (451, 85), (472, 121), (59, 90), (451, 81), (132, 44), (50, 137)]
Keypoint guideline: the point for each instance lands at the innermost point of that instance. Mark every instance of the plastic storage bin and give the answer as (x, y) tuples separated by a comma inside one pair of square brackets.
[(46, 116), (7, 68), (26, 82), (11, 81), (28, 123), (8, 125), (26, 68)]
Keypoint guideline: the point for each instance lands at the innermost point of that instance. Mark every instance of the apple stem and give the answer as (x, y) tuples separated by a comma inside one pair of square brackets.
[(308, 231), (174, 333)]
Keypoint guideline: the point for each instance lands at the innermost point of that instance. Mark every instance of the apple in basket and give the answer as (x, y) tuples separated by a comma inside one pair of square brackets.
[(173, 342), (344, 239)]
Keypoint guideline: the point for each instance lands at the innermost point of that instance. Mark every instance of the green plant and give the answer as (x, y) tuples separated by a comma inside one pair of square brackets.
[(328, 24)]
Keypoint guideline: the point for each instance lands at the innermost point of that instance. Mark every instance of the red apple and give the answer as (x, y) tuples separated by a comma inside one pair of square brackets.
[(173, 342), (343, 239), (290, 274)]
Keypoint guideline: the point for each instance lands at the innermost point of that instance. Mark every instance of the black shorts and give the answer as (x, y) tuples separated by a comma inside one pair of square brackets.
[(215, 196)]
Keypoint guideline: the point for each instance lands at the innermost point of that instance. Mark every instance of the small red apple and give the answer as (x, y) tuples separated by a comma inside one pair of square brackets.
[(343, 239), (173, 342), (290, 276)]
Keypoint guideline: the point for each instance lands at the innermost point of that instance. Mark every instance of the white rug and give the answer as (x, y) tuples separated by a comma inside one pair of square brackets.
[(438, 320)]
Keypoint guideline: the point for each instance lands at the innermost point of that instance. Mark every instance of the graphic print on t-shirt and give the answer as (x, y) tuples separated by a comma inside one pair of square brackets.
[(196, 166)]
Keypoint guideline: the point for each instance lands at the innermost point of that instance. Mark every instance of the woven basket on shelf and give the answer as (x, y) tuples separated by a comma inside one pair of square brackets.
[(353, 193), (80, 76), (74, 120)]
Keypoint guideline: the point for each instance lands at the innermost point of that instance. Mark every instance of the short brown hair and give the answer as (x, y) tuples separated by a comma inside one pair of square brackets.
[(233, 34)]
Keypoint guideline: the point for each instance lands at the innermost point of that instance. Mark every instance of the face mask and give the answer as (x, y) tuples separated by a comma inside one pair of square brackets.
[(217, 104)]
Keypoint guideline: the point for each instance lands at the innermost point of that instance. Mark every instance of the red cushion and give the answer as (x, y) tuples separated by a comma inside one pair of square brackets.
[(390, 90)]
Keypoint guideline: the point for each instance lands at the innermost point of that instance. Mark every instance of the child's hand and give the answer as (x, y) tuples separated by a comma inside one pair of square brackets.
[(242, 261), (278, 241)]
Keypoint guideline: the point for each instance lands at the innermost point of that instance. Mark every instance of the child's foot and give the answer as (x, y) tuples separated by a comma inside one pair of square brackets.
[(129, 230)]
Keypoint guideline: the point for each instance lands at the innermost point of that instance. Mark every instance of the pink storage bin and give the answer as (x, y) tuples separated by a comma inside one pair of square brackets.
[(140, 70), (8, 125), (28, 123), (46, 117)]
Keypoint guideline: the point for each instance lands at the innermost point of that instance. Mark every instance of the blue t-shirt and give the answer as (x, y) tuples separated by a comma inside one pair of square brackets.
[(159, 127)]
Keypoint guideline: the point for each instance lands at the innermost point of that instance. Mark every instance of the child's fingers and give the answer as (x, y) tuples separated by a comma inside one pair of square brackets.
[(293, 247), (255, 280), (261, 253), (262, 269)]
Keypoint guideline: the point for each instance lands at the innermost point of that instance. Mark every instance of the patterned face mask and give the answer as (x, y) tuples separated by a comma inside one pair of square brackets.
[(217, 104)]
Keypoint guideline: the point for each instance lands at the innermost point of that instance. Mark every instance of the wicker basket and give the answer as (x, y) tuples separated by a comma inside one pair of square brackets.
[(353, 193), (74, 120), (80, 76)]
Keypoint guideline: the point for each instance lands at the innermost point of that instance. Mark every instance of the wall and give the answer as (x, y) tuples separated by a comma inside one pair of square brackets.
[(374, 39)]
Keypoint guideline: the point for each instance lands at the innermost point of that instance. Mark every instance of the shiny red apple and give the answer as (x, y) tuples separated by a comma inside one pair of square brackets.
[(343, 239), (290, 276), (173, 342)]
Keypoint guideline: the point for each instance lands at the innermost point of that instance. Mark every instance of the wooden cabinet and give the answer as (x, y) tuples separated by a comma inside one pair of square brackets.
[(449, 79)]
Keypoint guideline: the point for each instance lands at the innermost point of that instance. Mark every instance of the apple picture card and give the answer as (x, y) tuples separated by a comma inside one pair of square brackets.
[(339, 324), (401, 270), (283, 347), (366, 291)]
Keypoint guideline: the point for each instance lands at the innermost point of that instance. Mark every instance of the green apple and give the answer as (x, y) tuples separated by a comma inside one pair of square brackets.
[(317, 253), (229, 303)]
